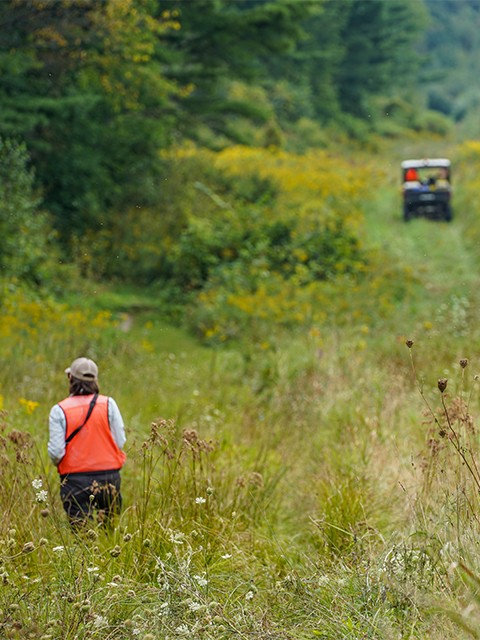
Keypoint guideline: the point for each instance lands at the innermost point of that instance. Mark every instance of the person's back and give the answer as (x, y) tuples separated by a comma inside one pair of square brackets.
[(87, 436), (94, 448)]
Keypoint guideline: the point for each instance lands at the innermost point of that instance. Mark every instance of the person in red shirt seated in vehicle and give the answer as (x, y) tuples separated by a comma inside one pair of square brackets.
[(411, 175)]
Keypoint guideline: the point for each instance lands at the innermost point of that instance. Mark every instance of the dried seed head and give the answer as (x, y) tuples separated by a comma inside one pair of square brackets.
[(442, 384), (463, 362), (409, 343), (28, 547)]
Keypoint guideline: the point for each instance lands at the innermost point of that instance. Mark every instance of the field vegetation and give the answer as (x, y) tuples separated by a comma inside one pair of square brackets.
[(204, 198), (297, 468)]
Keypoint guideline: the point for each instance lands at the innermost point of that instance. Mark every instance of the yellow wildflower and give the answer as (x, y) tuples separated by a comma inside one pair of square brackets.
[(30, 405)]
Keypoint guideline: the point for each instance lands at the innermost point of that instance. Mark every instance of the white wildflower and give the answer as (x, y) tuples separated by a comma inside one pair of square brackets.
[(92, 569), (226, 556), (99, 622), (59, 548), (42, 495), (201, 580), (182, 630), (194, 606), (200, 500), (177, 537), (249, 595), (37, 483)]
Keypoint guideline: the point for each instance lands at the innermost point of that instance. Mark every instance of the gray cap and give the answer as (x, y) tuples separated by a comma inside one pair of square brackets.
[(83, 369)]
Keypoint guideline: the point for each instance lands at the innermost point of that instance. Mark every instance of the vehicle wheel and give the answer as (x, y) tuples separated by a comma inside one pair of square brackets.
[(407, 214)]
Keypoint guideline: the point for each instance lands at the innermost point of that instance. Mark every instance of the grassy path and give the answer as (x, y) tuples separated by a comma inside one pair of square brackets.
[(436, 253)]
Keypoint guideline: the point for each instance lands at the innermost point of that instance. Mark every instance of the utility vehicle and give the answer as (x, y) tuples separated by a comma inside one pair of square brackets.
[(427, 189)]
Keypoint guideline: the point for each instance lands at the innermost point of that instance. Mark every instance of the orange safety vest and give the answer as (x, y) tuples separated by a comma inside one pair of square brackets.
[(93, 448)]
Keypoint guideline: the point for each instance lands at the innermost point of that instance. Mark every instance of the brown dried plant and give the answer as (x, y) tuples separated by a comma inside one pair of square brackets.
[(453, 427)]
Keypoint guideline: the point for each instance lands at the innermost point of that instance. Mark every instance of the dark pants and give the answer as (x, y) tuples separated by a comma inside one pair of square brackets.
[(83, 494)]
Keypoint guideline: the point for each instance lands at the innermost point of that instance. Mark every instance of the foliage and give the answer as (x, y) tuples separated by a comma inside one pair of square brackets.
[(223, 40), (224, 530), (378, 51), (24, 229), (97, 90), (285, 486), (87, 102), (258, 259), (354, 52), (236, 215), (449, 49), (26, 318), (467, 174)]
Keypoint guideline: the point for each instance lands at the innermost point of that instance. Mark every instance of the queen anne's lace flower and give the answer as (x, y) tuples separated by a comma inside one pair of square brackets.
[(201, 580)]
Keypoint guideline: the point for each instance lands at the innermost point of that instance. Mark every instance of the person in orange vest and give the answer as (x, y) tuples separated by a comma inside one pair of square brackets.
[(86, 439)]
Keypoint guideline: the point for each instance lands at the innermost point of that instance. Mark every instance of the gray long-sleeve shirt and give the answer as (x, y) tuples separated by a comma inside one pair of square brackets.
[(58, 426)]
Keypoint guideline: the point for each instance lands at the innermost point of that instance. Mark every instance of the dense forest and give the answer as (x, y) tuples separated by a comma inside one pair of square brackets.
[(94, 96)]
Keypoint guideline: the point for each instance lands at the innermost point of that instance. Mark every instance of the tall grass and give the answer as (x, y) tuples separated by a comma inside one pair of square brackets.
[(318, 485), (269, 511)]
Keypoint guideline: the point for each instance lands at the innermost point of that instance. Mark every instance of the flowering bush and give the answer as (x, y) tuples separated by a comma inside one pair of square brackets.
[(268, 229)]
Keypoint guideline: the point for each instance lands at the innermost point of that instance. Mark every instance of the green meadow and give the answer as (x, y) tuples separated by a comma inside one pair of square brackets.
[(302, 457)]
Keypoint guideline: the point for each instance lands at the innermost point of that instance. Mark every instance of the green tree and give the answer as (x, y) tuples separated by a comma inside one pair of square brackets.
[(379, 53), (224, 40), (81, 86), (319, 56), (450, 49), (24, 230)]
